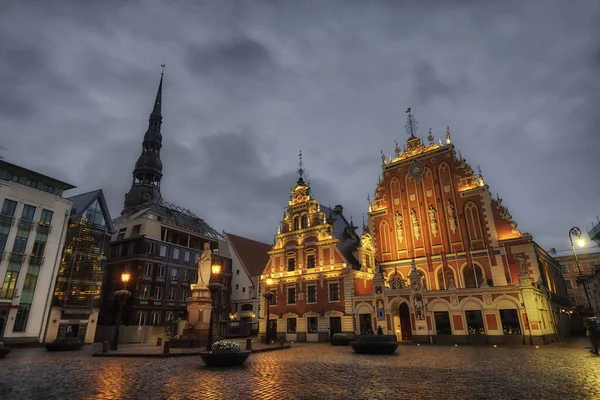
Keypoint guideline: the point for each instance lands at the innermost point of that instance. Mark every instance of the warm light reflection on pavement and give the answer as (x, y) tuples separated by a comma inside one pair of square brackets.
[(312, 371)]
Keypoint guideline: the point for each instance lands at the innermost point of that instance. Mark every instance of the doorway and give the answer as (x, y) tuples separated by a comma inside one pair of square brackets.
[(272, 327), (405, 328), (335, 325)]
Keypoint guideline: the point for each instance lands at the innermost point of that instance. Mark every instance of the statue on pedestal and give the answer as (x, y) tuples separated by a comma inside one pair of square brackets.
[(204, 267)]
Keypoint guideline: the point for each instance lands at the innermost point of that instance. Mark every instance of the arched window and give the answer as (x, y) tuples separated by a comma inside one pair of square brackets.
[(304, 220), (472, 276), (296, 223), (445, 277)]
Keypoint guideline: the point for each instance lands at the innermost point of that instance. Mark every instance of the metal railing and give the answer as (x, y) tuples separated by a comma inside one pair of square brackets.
[(17, 257), (5, 220), (33, 260)]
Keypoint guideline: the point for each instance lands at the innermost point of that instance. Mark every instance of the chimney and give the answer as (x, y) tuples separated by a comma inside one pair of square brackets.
[(339, 209)]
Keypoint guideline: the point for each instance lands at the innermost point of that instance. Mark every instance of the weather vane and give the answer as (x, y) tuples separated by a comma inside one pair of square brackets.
[(411, 124), (300, 169), (431, 138), (163, 68)]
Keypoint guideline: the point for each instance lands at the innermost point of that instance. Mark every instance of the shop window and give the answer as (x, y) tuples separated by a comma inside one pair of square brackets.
[(475, 322), (312, 324), (442, 322), (510, 322), (21, 318), (291, 325)]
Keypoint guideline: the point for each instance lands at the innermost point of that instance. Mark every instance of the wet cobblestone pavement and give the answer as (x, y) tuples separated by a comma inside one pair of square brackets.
[(311, 371)]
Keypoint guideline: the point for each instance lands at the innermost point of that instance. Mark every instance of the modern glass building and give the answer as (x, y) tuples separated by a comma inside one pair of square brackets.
[(76, 298)]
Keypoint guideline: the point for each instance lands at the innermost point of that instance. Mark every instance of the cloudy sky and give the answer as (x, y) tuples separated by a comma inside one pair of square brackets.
[(249, 84)]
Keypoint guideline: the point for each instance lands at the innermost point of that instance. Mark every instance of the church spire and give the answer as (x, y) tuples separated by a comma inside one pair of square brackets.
[(147, 173), (157, 110)]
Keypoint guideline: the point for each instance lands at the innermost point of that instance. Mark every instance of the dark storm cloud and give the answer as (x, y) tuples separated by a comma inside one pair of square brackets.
[(249, 84)]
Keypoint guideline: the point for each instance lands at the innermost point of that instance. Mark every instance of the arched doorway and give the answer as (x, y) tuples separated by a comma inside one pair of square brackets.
[(405, 328)]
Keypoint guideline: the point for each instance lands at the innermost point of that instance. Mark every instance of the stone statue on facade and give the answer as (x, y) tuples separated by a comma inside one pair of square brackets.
[(415, 224), (204, 267), (523, 267), (399, 229), (433, 220), (451, 217)]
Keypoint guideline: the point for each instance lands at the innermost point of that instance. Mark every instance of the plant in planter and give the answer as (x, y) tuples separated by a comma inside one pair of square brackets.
[(65, 344), (225, 354), (375, 344), (4, 350), (223, 346), (340, 339)]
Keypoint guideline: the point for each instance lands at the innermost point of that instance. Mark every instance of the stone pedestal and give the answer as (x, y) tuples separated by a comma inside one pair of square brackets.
[(199, 308)]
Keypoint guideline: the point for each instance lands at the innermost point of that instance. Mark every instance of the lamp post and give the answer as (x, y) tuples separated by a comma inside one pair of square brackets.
[(214, 288), (121, 296), (268, 296), (576, 232)]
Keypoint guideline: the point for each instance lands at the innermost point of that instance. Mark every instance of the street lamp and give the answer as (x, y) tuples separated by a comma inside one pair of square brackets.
[(576, 232), (268, 296), (121, 296), (214, 288)]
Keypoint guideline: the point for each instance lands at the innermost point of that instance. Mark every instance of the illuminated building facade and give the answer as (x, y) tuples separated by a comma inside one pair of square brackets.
[(158, 243), (76, 300), (311, 271), (452, 265), (33, 225)]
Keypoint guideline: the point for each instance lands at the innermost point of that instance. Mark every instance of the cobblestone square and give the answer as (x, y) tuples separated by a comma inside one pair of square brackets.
[(312, 371)]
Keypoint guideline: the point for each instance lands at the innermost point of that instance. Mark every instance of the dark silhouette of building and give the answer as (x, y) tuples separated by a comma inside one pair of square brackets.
[(158, 243)]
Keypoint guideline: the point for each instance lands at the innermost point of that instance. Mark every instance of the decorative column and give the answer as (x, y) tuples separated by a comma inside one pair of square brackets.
[(418, 305)]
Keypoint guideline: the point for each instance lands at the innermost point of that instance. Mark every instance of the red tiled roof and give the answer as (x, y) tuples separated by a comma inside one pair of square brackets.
[(252, 254)]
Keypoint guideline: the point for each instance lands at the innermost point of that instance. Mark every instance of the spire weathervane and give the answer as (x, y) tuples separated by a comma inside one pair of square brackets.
[(430, 137), (163, 69), (411, 124), (300, 169)]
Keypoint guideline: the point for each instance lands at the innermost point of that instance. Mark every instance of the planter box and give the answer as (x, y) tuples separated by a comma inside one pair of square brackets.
[(64, 346), (340, 341), (4, 351), (220, 360), (368, 347)]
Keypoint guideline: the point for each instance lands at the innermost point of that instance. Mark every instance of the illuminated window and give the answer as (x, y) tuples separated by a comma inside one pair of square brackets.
[(145, 292), (291, 325), (312, 324)]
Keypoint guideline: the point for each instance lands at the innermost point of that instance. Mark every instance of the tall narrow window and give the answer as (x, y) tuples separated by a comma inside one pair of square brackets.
[(304, 221), (310, 261)]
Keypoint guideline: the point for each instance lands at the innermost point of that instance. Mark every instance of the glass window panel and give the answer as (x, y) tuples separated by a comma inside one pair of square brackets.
[(28, 213), (8, 208)]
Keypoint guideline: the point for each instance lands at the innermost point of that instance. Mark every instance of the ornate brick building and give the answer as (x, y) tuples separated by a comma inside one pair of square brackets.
[(311, 270), (452, 265)]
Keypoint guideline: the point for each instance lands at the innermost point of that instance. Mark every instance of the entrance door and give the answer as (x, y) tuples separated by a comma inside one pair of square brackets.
[(272, 329), (405, 328), (335, 325), (3, 321)]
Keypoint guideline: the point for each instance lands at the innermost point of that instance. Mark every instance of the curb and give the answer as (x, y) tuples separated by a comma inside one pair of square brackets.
[(168, 355)]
